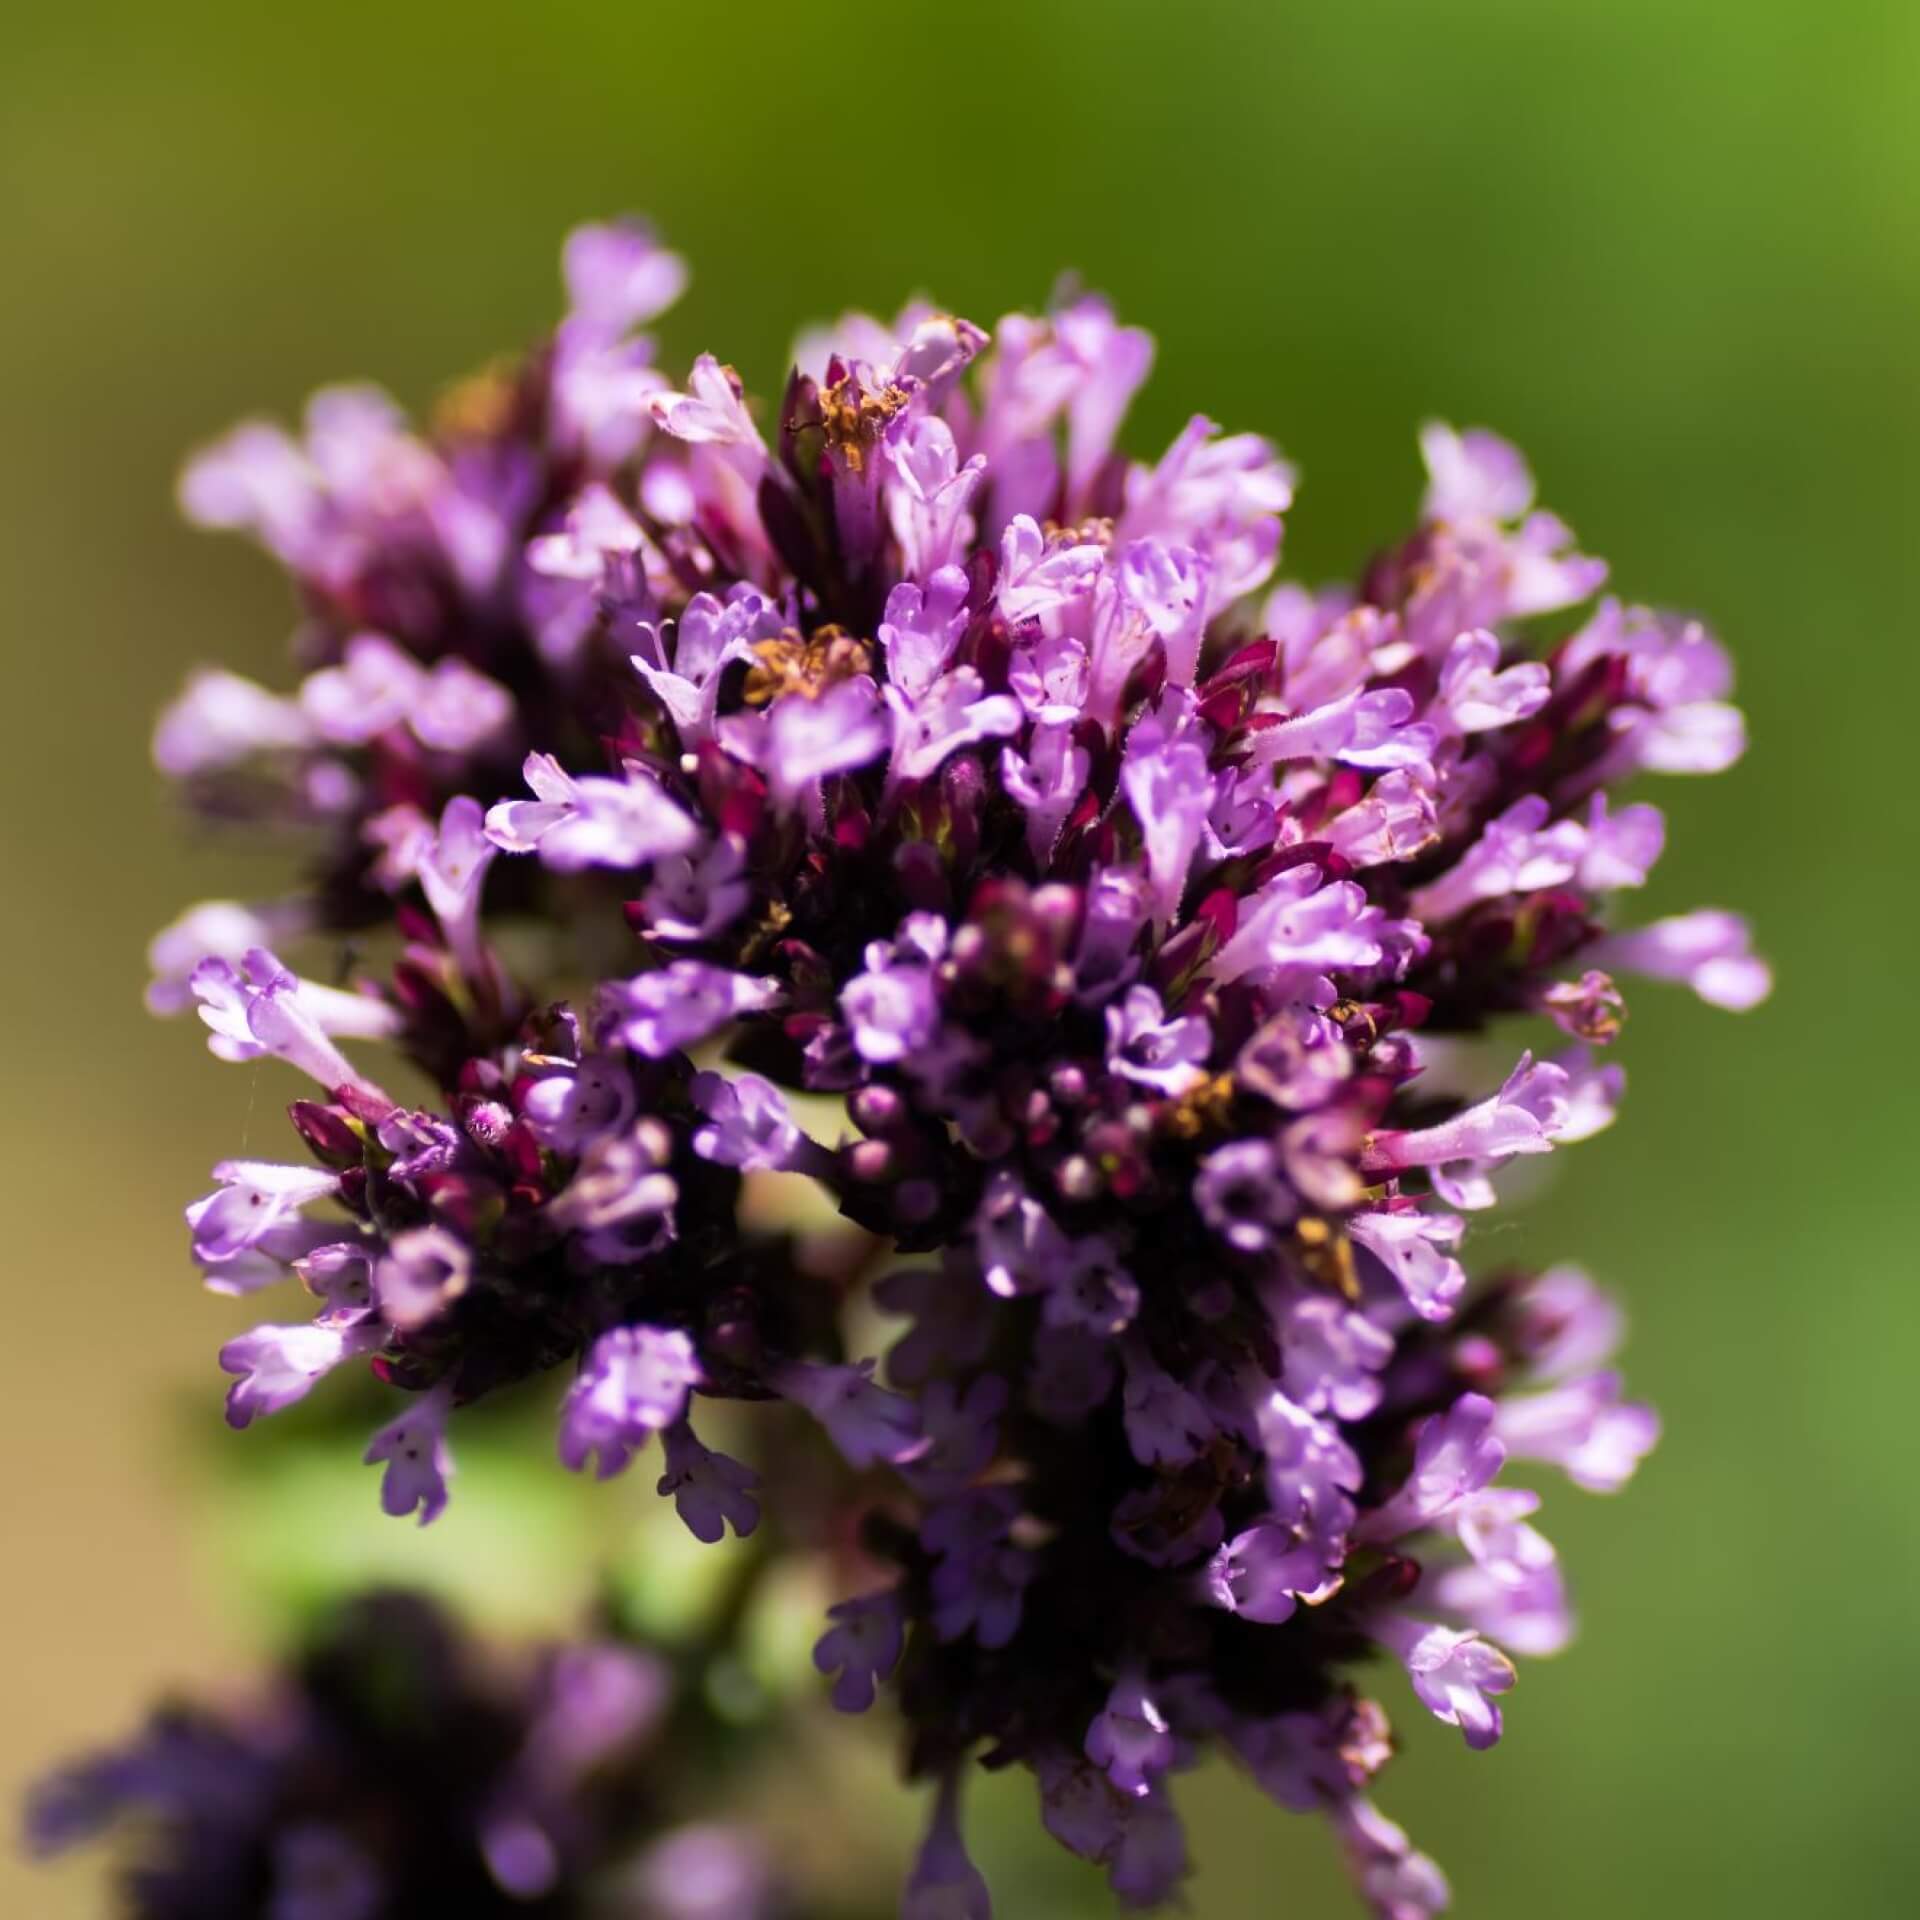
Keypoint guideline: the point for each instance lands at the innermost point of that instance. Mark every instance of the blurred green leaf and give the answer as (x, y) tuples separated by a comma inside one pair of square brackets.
[(516, 1549)]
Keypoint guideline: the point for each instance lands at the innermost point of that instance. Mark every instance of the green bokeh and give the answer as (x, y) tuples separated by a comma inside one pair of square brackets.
[(1672, 248)]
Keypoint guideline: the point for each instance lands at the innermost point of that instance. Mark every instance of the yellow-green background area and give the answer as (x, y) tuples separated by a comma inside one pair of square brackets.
[(1673, 248)]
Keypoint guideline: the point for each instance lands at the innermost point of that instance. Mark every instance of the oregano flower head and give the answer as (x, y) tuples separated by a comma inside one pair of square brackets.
[(897, 749)]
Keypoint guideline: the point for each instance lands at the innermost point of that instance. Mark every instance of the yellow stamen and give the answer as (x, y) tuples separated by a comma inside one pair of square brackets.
[(806, 664), (853, 419), (480, 407), (1205, 1110)]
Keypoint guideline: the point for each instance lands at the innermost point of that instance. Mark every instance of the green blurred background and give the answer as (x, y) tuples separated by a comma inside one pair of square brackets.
[(1672, 248)]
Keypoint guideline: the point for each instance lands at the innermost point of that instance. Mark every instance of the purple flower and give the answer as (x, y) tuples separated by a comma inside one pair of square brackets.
[(422, 1273), (260, 1008), (710, 1490), (955, 713), (1243, 819), (866, 1422), (1473, 475), (1171, 794), (657, 1014), (600, 386), (695, 896), (1144, 1046), (1137, 1839), (1049, 677), (1530, 1617), (1619, 849), (1311, 1472), (222, 719), (633, 1383), (1517, 852), (1708, 951), (1566, 1324), (1592, 1094), (214, 930), (256, 479), (1369, 730), (962, 1430), (414, 1449), (1396, 820), (1674, 717), (950, 1311), (862, 1648), (453, 868), (1115, 915), (590, 822), (1128, 1738), (1297, 1061), (1295, 926), (1309, 1760), (1267, 1571), (944, 1883), (1331, 1356), (1396, 1882), (340, 1273), (1078, 364), (891, 1009), (1091, 1289), (620, 1200), (595, 1698), (1021, 1249), (1223, 497), (1478, 694), (979, 1578), (250, 1229), (807, 740), (1167, 1424), (279, 1365), (1243, 1196), (1412, 1246), (1492, 1526), (1454, 1455), (595, 531), (709, 637), (1584, 1428), (1041, 577), (1107, 364), (928, 493), (748, 1124), (619, 275), (1152, 598), (1048, 782), (376, 686), (1525, 1116), (921, 628), (1456, 1675), (399, 837), (576, 1102)]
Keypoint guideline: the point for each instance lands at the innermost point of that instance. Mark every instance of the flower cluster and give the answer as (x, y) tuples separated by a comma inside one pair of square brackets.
[(392, 1773), (908, 746)]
